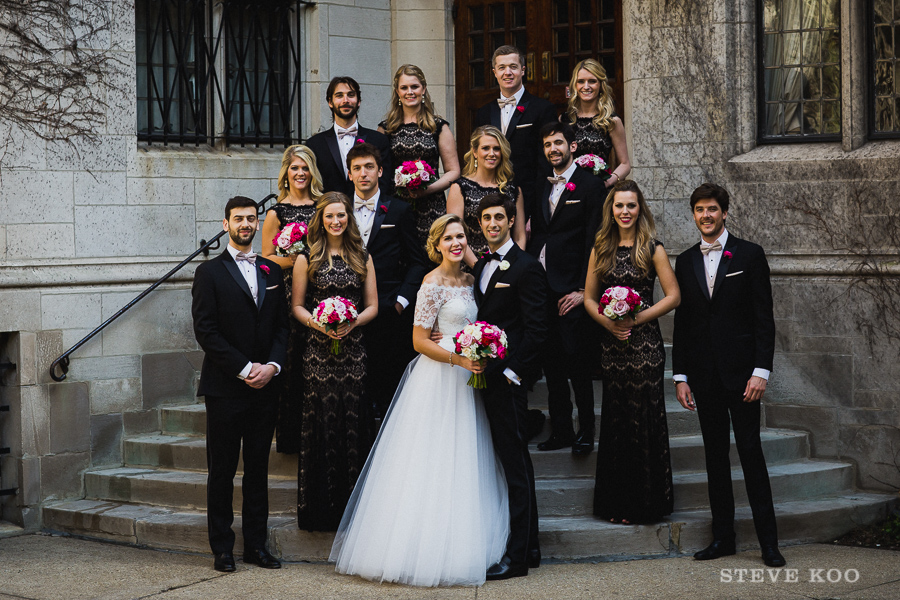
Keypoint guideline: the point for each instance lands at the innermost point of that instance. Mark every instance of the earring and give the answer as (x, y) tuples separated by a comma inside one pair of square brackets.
[(399, 102), (286, 185), (476, 163)]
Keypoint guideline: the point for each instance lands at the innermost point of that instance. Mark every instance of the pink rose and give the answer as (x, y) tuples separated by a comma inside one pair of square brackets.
[(570, 186), (521, 109), (464, 340), (383, 208), (264, 269), (726, 254), (501, 352), (619, 293), (621, 307), (360, 141)]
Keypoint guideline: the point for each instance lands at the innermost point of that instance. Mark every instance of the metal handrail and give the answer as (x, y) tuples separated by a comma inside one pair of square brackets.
[(62, 361)]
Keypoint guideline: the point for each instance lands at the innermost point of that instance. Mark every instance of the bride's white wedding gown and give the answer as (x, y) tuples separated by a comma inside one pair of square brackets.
[(430, 507)]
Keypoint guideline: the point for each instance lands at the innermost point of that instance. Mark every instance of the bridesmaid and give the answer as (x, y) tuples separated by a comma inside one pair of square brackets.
[(488, 170), (333, 442), (417, 134), (299, 186), (592, 113), (634, 473)]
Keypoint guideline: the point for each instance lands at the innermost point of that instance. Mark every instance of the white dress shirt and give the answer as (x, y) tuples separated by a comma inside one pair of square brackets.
[(345, 143), (711, 263), (489, 269), (365, 219), (555, 195), (249, 272), (506, 112)]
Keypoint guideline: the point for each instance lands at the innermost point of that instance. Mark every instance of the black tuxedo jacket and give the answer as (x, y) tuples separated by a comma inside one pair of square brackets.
[(724, 337), (523, 134), (569, 233), (400, 263), (232, 330), (334, 172), (515, 301)]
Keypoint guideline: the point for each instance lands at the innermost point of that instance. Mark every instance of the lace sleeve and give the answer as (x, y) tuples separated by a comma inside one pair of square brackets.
[(428, 303)]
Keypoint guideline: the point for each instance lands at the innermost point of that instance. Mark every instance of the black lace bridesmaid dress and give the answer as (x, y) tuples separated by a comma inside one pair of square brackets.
[(334, 431), (634, 472), (472, 194), (591, 140)]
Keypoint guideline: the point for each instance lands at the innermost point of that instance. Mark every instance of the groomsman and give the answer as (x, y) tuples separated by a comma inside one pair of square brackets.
[(332, 145), (520, 116), (563, 226), (388, 229), (722, 353), (241, 323)]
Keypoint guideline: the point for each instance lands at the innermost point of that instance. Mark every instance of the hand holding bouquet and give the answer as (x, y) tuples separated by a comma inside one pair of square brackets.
[(619, 302), (478, 341), (333, 312), (290, 239), (595, 164)]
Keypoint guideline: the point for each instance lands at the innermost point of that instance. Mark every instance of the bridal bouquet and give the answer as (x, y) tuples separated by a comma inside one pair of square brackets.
[(619, 302), (290, 239), (594, 163), (414, 175), (477, 341), (331, 313)]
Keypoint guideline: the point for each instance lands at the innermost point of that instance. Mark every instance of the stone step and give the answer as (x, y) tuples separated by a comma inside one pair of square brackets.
[(556, 496), (562, 538), (189, 454)]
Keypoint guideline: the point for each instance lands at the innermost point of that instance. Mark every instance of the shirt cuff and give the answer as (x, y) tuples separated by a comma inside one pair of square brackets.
[(245, 371), (403, 302), (679, 377), (761, 373), (511, 375), (277, 367)]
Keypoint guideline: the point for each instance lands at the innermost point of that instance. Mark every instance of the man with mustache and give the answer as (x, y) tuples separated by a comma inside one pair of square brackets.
[(332, 145), (563, 226)]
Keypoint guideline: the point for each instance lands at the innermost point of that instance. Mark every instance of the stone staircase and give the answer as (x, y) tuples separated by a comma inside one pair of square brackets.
[(158, 497)]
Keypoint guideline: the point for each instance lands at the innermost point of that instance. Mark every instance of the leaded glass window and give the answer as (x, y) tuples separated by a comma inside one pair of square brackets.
[(884, 68)]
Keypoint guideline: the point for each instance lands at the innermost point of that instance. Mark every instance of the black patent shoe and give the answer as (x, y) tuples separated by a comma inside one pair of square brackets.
[(554, 442), (506, 569), (584, 443), (717, 549), (224, 562), (772, 557), (261, 558)]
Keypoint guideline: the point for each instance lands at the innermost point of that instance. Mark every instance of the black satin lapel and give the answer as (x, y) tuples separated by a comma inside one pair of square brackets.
[(496, 121), (560, 203), (515, 117), (476, 273), (510, 257), (331, 139), (380, 216), (235, 271), (545, 200), (724, 263), (260, 287), (700, 270)]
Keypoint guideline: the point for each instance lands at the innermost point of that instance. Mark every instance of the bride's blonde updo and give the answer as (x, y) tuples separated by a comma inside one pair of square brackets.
[(437, 231)]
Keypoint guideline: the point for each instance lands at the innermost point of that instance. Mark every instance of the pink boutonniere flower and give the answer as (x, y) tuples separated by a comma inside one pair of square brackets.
[(520, 108), (264, 269), (726, 254), (360, 141), (383, 208), (570, 186)]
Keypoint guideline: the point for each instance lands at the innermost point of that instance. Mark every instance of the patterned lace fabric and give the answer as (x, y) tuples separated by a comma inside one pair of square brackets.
[(446, 308), (591, 140), (472, 194), (634, 472), (409, 142)]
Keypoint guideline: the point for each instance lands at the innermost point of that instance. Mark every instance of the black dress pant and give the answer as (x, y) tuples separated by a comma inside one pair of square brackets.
[(567, 357), (231, 423), (715, 409), (506, 405), (389, 350)]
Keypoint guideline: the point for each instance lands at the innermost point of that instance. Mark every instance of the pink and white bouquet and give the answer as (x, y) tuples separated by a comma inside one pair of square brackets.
[(414, 175), (331, 313), (478, 341), (290, 239), (619, 302), (593, 163)]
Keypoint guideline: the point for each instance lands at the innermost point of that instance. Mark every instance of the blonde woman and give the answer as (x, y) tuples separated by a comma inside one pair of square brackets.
[(334, 434), (634, 473), (592, 113), (416, 133), (488, 170)]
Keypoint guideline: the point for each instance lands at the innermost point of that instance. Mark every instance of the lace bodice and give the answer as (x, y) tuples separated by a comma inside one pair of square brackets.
[(447, 308)]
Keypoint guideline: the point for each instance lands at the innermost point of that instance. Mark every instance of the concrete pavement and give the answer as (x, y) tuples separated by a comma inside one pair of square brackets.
[(39, 567)]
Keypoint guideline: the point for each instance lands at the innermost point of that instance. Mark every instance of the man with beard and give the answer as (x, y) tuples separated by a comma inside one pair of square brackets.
[(563, 226), (332, 145), (241, 323)]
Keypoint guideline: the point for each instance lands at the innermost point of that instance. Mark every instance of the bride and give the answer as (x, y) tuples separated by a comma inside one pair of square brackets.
[(430, 507)]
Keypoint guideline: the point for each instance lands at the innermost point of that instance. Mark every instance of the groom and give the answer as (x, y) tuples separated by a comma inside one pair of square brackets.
[(722, 353), (511, 292), (241, 323)]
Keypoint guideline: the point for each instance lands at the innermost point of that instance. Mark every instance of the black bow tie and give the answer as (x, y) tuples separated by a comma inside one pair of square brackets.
[(494, 256)]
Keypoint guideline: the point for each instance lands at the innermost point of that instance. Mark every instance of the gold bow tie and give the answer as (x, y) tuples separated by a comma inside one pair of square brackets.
[(556, 180), (250, 257), (707, 248), (358, 204), (503, 102)]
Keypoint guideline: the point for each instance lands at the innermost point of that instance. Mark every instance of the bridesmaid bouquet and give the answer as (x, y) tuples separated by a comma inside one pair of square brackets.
[(290, 239), (619, 302), (477, 341), (330, 313), (414, 175), (593, 163)]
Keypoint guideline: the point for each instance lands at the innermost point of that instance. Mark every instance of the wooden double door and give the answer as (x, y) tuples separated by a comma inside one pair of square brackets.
[(554, 34)]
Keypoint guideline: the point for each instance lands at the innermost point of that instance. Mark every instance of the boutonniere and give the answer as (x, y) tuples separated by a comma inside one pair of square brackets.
[(360, 141), (570, 186), (264, 269), (521, 109), (504, 265), (726, 254), (383, 208)]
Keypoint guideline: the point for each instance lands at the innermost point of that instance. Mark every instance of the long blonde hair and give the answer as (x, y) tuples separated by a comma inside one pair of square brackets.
[(504, 173), (394, 117), (306, 155), (605, 103), (606, 242), (352, 249)]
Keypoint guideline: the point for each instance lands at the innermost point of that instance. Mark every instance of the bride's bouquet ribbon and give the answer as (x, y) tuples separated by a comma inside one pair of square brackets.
[(290, 239), (331, 313), (479, 341)]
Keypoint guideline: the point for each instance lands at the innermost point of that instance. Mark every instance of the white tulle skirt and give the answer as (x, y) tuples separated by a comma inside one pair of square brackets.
[(430, 507)]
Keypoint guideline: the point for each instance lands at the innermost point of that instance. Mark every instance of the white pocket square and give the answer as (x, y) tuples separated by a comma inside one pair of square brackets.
[(572, 201), (733, 274), (272, 287), (523, 126), (388, 225), (501, 285)]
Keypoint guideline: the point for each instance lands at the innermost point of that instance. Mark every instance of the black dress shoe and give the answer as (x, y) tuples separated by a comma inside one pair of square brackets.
[(261, 558), (224, 562), (534, 423), (772, 557), (584, 443), (555, 442), (717, 549), (506, 569), (533, 558)]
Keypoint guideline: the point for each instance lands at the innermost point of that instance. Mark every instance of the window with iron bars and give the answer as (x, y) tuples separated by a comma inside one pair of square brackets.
[(218, 72)]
